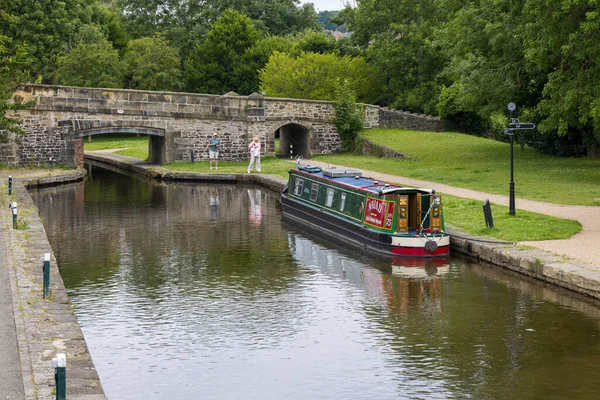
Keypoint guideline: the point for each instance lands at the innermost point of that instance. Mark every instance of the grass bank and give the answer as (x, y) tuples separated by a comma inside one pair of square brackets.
[(464, 214), (481, 164), (130, 144)]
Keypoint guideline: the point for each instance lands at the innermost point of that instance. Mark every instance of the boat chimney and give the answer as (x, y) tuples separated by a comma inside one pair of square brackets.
[(376, 182), (356, 177)]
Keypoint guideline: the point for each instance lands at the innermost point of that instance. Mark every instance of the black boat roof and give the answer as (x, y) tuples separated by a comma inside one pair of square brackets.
[(353, 178)]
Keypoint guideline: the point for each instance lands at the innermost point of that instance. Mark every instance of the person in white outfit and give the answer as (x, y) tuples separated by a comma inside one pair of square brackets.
[(254, 147)]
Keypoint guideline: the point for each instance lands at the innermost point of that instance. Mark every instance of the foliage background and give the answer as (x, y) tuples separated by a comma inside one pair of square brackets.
[(461, 61)]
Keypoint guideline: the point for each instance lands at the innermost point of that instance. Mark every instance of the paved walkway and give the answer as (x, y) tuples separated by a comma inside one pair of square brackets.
[(584, 246), (11, 378)]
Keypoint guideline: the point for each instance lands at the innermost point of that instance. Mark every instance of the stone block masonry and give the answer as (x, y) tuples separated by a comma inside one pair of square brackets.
[(179, 124)]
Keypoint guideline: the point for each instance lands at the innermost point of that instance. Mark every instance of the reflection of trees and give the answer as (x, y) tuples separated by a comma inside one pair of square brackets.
[(151, 233), (475, 333)]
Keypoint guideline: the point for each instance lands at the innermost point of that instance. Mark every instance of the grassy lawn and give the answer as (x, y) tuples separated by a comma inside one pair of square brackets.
[(132, 145), (467, 215), (464, 214), (269, 165), (481, 164)]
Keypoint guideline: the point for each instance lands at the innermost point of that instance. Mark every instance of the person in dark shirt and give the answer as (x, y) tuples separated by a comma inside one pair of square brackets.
[(213, 151)]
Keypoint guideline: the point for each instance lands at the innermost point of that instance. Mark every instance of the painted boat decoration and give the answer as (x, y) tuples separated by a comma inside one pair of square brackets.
[(380, 217)]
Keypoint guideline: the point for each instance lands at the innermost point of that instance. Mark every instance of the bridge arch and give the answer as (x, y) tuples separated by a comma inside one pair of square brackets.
[(295, 138), (102, 131), (83, 128)]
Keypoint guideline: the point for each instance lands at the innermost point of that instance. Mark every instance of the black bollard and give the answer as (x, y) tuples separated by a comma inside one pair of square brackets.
[(10, 185), (192, 155), (487, 213), (46, 271)]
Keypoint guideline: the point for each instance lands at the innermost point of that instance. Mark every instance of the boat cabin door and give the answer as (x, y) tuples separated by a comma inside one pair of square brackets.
[(409, 212)]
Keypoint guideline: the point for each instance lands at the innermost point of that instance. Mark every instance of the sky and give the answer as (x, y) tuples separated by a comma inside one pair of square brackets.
[(326, 5)]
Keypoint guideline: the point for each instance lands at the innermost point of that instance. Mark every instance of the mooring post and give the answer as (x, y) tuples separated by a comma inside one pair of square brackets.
[(13, 207), (10, 185), (487, 213), (60, 376), (192, 155), (46, 271)]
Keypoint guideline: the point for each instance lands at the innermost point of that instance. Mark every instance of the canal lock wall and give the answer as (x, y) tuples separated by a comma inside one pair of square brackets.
[(45, 327)]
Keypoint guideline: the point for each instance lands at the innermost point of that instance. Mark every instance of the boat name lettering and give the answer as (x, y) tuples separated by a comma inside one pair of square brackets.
[(375, 212)]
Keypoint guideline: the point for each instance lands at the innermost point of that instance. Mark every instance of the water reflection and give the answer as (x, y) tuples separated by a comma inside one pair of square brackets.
[(200, 291)]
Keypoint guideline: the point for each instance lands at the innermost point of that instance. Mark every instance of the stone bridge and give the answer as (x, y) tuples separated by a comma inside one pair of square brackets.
[(178, 124)]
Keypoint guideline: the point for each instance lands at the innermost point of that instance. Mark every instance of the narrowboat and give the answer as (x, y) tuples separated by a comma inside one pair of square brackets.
[(365, 213)]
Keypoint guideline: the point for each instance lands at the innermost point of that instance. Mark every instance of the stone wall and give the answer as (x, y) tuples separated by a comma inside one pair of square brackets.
[(369, 148), (402, 119)]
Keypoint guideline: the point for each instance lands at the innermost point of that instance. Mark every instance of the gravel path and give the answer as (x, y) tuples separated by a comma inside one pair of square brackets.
[(583, 247)]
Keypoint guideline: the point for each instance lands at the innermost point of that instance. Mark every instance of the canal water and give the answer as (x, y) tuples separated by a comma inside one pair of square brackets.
[(201, 291)]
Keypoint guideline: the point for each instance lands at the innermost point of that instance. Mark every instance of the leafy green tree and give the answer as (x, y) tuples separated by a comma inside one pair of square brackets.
[(47, 28), (348, 115), (152, 64), (327, 18), (13, 71), (209, 67), (399, 38), (277, 17), (246, 68), (95, 64), (108, 18), (486, 68), (313, 76), (561, 41), (312, 41)]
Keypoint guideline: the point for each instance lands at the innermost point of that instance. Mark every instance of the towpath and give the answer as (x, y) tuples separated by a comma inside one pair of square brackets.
[(584, 246)]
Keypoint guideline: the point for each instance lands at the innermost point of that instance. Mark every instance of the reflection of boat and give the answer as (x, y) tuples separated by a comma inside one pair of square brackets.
[(372, 215), (414, 272), (415, 282)]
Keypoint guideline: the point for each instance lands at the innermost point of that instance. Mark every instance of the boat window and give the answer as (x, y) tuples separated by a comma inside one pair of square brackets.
[(298, 187), (314, 192), (329, 200), (342, 201)]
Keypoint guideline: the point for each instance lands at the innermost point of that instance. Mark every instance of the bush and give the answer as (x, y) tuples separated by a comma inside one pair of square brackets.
[(348, 116)]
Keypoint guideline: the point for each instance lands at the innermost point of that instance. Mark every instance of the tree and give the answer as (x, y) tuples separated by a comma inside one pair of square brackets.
[(13, 63), (152, 64), (313, 41), (348, 115), (313, 76), (278, 17), (95, 64), (246, 69), (47, 28), (209, 67), (561, 42), (398, 36)]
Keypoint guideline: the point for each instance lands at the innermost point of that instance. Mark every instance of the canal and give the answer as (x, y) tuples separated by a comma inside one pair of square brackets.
[(201, 291)]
